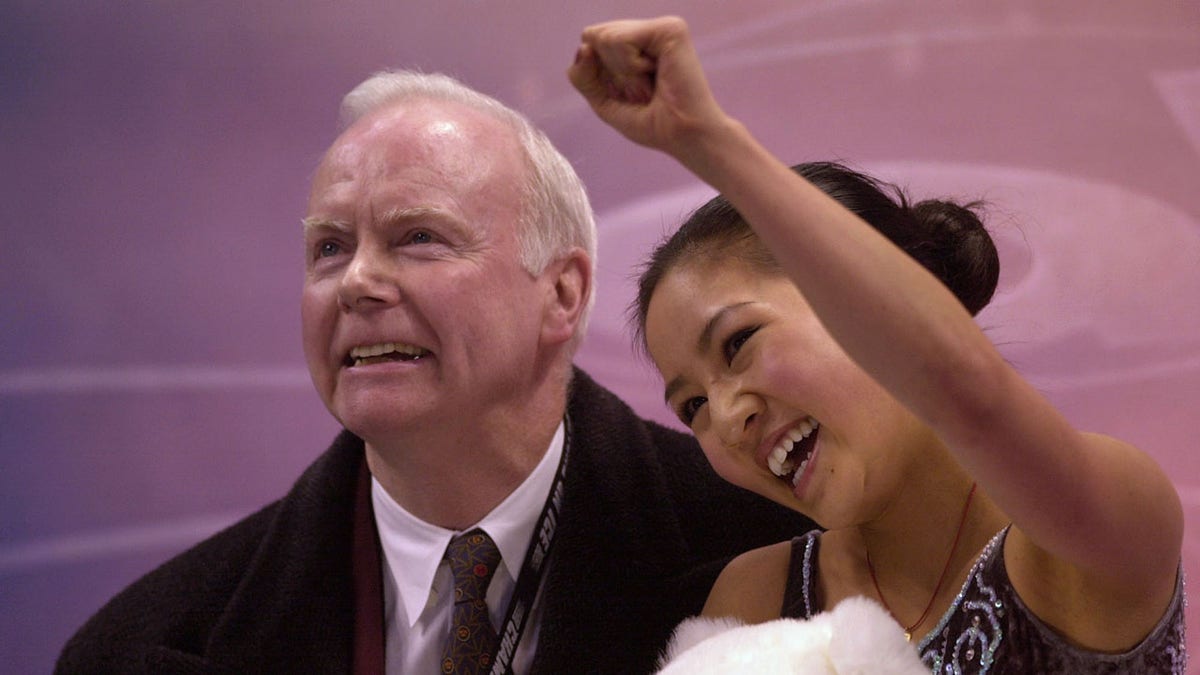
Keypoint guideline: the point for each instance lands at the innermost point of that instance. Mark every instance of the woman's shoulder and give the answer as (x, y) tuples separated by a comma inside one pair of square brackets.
[(751, 587), (1103, 618)]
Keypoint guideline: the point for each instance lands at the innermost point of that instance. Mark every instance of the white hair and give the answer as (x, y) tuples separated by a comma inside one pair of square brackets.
[(555, 213)]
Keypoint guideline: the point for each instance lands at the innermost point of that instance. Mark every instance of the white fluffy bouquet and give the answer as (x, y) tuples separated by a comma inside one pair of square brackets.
[(857, 637)]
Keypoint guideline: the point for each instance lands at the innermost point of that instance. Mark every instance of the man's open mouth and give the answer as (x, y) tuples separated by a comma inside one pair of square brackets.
[(366, 355)]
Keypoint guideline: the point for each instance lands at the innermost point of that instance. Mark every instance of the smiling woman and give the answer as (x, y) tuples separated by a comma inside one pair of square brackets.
[(814, 330)]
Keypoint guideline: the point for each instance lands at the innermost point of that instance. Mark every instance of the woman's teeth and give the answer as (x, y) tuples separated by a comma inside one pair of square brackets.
[(779, 461)]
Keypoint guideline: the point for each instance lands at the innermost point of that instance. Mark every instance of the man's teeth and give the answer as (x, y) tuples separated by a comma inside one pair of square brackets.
[(359, 355), (778, 461)]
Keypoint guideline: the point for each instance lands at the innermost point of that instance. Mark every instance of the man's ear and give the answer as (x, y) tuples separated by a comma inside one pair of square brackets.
[(568, 284)]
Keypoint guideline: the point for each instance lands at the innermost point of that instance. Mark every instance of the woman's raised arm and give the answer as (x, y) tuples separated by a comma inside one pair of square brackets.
[(1095, 512)]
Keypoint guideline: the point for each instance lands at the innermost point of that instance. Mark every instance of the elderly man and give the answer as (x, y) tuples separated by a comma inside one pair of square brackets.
[(448, 257)]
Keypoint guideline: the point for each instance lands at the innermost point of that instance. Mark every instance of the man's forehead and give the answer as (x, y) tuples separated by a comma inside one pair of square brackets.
[(443, 134), (435, 123), (417, 150)]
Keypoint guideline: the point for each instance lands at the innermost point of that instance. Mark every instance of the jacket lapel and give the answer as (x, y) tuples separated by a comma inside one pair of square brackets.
[(294, 610)]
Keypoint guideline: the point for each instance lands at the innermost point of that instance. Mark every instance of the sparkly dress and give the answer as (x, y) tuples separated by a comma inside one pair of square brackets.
[(988, 629)]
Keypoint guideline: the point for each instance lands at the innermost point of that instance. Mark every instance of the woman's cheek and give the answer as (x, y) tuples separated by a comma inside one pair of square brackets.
[(726, 465), (786, 374)]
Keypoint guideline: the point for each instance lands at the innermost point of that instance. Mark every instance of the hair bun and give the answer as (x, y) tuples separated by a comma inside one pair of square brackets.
[(952, 243)]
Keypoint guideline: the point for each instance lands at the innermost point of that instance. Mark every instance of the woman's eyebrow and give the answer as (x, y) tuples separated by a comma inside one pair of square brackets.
[(706, 335), (704, 342)]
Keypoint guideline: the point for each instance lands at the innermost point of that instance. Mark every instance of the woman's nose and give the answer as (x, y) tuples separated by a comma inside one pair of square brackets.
[(733, 413)]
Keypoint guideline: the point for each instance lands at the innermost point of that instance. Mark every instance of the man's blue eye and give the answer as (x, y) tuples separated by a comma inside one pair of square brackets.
[(420, 237), (328, 248)]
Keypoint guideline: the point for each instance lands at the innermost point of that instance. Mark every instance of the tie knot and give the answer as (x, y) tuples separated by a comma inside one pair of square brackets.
[(473, 559)]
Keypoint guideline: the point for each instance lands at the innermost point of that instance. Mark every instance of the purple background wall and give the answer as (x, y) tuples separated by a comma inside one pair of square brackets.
[(154, 161)]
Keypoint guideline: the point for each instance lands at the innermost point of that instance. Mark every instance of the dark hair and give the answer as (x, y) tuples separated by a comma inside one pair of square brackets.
[(948, 239)]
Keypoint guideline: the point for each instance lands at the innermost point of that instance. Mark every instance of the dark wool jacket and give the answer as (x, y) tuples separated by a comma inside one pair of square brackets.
[(645, 528)]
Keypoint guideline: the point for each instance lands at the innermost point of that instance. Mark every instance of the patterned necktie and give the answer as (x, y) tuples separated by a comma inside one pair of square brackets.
[(473, 559)]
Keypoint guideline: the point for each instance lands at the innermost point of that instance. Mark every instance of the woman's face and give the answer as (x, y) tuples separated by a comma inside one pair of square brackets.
[(776, 404)]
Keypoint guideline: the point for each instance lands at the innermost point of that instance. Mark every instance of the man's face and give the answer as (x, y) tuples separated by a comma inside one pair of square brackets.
[(416, 311)]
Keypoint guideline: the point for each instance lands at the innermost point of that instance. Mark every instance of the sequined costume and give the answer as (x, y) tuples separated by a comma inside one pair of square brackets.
[(988, 629)]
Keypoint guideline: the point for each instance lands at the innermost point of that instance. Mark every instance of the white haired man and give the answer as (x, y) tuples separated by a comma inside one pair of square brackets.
[(449, 260)]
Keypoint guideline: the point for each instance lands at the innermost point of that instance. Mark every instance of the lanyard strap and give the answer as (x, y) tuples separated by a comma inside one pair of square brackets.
[(534, 567)]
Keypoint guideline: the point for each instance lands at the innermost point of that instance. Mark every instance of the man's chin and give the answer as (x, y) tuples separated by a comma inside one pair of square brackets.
[(382, 424)]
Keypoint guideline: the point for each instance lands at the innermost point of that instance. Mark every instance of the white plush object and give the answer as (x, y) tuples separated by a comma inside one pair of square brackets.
[(856, 638)]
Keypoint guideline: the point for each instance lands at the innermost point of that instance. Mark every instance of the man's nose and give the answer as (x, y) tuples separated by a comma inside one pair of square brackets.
[(369, 281)]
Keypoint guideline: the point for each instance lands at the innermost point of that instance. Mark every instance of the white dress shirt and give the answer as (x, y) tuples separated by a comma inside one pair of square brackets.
[(418, 586)]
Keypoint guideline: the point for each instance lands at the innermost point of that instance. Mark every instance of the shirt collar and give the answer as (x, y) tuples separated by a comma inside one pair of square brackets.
[(413, 548)]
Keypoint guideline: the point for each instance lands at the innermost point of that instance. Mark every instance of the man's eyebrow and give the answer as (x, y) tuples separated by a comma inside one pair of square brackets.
[(312, 223), (418, 213), (391, 217), (704, 342)]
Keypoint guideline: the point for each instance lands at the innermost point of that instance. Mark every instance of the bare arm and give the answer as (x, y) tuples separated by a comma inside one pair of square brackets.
[(751, 586), (1095, 505)]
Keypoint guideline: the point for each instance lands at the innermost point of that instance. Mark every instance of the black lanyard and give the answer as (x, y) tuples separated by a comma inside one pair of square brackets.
[(534, 567)]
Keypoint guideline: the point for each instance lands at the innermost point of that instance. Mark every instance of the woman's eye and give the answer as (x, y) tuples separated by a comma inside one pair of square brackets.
[(687, 411), (734, 344)]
